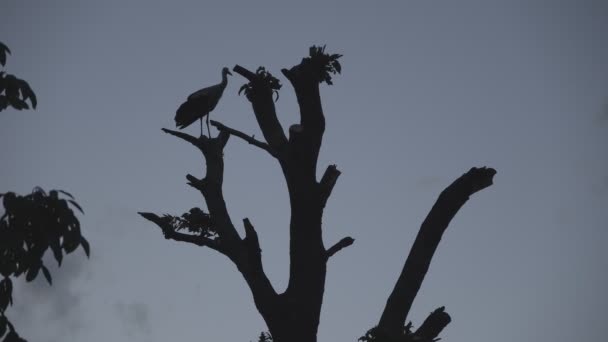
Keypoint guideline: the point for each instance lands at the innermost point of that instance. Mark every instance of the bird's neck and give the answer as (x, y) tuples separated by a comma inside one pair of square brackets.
[(224, 80)]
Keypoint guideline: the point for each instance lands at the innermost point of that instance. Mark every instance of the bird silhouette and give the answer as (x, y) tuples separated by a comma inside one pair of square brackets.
[(200, 103)]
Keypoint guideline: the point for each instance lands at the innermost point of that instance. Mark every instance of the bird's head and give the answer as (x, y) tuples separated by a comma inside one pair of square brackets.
[(226, 71)]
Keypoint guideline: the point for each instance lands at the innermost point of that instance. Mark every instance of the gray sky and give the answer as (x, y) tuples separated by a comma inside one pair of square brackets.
[(430, 89)]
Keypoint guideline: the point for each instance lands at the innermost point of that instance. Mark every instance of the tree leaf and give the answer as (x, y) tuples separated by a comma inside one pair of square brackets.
[(71, 241), (4, 50), (66, 193), (17, 103), (56, 248), (28, 93), (76, 205), (244, 87), (338, 67), (31, 274), (85, 245), (6, 291), (47, 274)]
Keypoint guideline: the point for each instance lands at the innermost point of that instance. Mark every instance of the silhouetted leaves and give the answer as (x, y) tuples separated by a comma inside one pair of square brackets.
[(31, 225), (265, 337), (323, 63), (47, 274), (14, 91), (195, 221), (6, 293), (4, 50), (85, 245), (375, 335), (263, 79)]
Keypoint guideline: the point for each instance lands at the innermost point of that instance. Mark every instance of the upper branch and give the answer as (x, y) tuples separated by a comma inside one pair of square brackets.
[(309, 98), (305, 79), (259, 91), (198, 142), (250, 139), (418, 261), (211, 185), (249, 263)]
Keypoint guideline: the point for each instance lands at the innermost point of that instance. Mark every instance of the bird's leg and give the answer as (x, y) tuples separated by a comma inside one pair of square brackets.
[(201, 119), (208, 129)]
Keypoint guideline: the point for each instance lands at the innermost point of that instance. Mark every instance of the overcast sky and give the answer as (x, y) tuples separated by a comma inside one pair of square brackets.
[(429, 89)]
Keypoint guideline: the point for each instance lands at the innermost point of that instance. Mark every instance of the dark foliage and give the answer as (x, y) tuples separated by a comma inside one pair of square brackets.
[(14, 91), (265, 337), (375, 335), (262, 78), (195, 221), (29, 226), (324, 63)]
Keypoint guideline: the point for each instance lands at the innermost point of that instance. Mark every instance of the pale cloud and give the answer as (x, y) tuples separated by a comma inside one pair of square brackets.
[(56, 307), (134, 317)]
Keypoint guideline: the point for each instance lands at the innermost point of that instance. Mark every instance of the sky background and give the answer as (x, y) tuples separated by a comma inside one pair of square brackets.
[(429, 89)]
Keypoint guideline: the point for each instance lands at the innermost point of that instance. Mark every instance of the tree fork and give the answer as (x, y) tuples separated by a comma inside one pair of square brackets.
[(245, 252)]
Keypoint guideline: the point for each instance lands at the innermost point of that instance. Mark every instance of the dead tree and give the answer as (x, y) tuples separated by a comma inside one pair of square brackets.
[(293, 316)]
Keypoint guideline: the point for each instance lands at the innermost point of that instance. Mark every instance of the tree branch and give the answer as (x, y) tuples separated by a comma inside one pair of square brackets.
[(418, 261), (250, 139), (306, 87), (345, 242), (251, 237), (263, 108), (198, 142), (250, 265), (170, 233), (327, 183), (250, 76), (433, 325)]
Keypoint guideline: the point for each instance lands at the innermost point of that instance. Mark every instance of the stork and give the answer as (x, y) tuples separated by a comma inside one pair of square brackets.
[(200, 103)]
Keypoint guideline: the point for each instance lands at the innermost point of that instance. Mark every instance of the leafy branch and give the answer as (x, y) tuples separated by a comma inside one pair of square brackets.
[(262, 78), (195, 221), (375, 335), (29, 226), (14, 91), (325, 64)]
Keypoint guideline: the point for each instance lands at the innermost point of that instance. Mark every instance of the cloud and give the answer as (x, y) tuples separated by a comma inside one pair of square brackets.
[(134, 317), (56, 308)]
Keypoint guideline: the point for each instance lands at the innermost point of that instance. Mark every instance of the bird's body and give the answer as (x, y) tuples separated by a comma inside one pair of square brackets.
[(200, 103)]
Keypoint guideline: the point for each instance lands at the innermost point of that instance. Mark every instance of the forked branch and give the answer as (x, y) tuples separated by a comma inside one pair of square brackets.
[(418, 261)]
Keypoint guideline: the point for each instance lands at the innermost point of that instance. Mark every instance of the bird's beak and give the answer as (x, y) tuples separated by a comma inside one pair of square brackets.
[(229, 73)]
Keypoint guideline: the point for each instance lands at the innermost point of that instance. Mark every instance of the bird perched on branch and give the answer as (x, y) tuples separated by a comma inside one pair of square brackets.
[(200, 103)]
